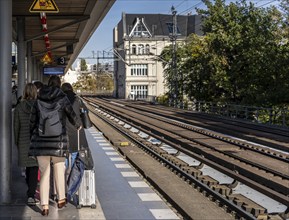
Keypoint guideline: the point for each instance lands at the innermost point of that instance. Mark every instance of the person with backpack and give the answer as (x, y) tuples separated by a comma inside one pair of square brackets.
[(21, 120), (49, 140)]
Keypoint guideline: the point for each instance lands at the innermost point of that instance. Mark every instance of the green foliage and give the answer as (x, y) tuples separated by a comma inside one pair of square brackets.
[(285, 27), (163, 99), (104, 82), (93, 83), (83, 66), (242, 58)]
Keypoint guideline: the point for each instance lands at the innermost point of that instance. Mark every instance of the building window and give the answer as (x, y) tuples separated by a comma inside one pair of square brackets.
[(139, 70), (147, 49), (140, 31), (140, 49), (133, 50), (140, 91)]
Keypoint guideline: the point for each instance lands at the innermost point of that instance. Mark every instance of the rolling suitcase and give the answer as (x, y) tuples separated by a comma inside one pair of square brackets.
[(86, 191)]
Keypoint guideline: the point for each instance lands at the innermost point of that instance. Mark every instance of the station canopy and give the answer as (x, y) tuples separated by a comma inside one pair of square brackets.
[(59, 28)]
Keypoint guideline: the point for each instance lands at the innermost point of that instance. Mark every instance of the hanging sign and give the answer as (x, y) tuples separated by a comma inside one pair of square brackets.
[(46, 58), (44, 6)]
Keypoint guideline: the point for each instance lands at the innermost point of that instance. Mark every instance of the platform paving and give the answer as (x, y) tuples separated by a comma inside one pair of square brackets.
[(120, 191)]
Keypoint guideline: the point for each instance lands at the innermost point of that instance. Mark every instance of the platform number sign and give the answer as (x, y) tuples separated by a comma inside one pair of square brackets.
[(61, 61)]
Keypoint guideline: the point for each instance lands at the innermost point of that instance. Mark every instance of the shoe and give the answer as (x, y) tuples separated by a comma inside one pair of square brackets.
[(61, 204), (32, 201), (45, 212)]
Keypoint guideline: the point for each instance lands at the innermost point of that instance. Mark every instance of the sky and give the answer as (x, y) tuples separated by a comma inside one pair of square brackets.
[(101, 40)]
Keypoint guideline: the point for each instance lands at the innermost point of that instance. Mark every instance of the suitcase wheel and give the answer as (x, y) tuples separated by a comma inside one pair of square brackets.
[(93, 206)]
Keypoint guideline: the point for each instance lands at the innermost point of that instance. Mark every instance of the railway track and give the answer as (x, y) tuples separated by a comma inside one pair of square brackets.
[(273, 136), (262, 170)]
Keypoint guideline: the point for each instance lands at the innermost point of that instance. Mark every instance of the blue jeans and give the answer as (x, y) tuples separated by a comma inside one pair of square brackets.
[(72, 159)]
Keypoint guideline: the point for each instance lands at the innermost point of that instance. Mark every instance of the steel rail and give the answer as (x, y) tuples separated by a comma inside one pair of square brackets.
[(279, 197), (241, 212)]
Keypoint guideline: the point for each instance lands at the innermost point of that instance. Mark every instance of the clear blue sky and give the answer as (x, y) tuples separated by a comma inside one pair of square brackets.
[(102, 37)]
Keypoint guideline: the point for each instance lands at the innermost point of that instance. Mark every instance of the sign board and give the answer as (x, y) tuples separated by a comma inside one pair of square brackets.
[(44, 6), (61, 61), (46, 59)]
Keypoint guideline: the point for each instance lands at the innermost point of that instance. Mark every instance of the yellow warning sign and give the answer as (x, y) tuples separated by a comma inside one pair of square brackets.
[(44, 6), (46, 59)]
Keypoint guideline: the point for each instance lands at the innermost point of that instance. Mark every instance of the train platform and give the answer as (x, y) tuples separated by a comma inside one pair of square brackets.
[(120, 191)]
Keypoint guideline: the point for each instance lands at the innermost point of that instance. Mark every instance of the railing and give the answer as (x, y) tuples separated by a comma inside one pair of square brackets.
[(147, 98), (278, 116), (95, 93)]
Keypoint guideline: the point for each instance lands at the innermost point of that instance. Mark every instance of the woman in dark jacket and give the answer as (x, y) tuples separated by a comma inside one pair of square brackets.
[(22, 139), (77, 105), (51, 148)]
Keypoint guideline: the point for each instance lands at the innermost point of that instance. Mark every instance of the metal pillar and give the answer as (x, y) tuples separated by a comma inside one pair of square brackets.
[(39, 72), (30, 76), (32, 69), (5, 100), (21, 55), (35, 76), (174, 59)]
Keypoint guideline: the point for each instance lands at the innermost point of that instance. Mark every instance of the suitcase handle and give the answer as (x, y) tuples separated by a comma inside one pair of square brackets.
[(78, 141)]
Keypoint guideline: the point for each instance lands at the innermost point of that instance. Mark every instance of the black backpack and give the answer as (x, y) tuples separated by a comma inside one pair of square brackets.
[(49, 120)]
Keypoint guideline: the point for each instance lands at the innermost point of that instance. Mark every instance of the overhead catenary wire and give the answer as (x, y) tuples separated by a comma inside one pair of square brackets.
[(184, 12), (267, 3)]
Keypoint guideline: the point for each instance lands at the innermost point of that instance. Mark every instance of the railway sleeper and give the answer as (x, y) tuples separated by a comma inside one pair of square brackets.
[(158, 150), (248, 205), (263, 217), (192, 171), (175, 161), (255, 210), (179, 162), (209, 181), (222, 189), (135, 136), (141, 140), (212, 183)]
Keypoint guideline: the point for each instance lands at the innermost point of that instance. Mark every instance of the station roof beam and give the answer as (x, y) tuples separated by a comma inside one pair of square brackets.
[(69, 29)]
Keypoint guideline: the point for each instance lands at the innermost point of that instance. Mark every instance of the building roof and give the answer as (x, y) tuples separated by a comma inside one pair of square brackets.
[(158, 23)]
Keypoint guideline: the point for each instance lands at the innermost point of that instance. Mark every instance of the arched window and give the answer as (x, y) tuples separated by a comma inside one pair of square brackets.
[(140, 49), (133, 49), (147, 50)]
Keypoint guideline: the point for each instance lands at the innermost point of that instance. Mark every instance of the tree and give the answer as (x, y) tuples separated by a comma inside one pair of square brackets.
[(83, 65), (85, 83), (242, 58), (197, 69), (244, 43), (93, 83), (285, 9)]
